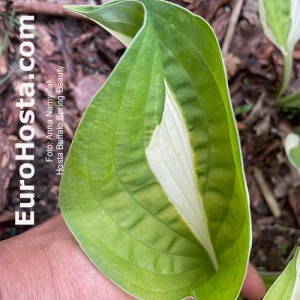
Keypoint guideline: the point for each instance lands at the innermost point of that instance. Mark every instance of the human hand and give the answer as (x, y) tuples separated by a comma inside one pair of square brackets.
[(46, 262), (253, 287)]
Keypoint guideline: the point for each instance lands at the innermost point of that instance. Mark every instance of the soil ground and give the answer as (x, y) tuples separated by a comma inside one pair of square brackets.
[(254, 68)]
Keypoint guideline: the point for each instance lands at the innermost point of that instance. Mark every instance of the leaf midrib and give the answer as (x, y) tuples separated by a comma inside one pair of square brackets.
[(119, 180)]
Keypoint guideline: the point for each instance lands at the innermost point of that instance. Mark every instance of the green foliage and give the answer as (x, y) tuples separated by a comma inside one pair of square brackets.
[(281, 23), (287, 286), (292, 100), (269, 277), (11, 20), (153, 187), (242, 109)]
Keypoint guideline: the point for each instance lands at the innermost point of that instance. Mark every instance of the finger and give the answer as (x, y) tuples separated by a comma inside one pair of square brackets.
[(253, 287)]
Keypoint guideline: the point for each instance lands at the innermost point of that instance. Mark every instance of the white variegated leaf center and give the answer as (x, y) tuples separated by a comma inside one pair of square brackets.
[(170, 157)]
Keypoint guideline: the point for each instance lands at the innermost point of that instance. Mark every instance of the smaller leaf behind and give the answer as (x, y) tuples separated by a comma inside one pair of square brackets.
[(292, 149), (276, 22), (292, 100), (280, 21), (287, 286), (294, 33)]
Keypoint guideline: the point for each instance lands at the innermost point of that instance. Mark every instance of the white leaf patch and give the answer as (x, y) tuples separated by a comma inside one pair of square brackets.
[(170, 158), (291, 142), (294, 34)]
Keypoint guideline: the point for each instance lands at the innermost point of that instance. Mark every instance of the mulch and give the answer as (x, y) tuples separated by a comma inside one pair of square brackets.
[(254, 68)]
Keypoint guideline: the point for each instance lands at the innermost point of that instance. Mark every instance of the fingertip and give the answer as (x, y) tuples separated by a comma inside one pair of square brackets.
[(254, 287)]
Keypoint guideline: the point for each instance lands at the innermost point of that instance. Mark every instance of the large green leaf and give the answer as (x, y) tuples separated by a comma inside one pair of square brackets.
[(287, 286), (281, 22), (153, 187)]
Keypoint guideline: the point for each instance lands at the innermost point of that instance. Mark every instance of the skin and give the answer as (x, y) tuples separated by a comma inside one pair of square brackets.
[(46, 262)]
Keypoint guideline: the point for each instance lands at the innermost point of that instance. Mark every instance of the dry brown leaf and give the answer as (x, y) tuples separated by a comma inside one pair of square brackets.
[(263, 126), (86, 88), (220, 23), (256, 201), (250, 12), (3, 64), (113, 44), (85, 36), (232, 63), (297, 51), (44, 42), (9, 115), (294, 204), (281, 189), (209, 9)]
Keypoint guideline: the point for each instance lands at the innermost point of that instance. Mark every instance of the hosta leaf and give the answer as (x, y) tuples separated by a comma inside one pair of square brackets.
[(292, 149), (276, 21), (281, 22), (294, 33), (287, 286), (153, 187)]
